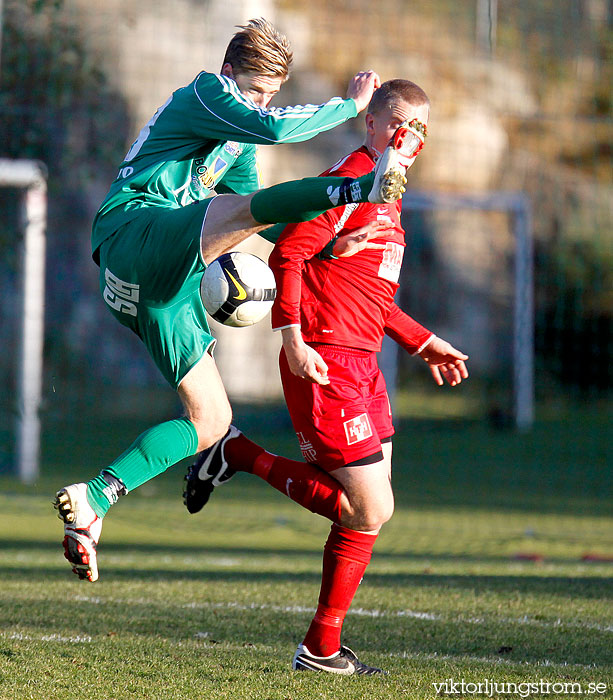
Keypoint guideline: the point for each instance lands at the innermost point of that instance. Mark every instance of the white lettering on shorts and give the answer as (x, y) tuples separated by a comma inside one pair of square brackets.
[(357, 429), (306, 447), (391, 262), (119, 295)]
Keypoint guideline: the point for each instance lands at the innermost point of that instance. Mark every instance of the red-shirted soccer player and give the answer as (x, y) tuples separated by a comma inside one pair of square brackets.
[(333, 314)]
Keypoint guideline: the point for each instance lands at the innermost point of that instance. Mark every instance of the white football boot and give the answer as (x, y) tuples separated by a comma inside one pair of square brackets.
[(82, 528), (391, 168)]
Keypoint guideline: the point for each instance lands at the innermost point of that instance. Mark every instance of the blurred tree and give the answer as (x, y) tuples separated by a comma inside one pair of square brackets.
[(58, 107), (55, 104)]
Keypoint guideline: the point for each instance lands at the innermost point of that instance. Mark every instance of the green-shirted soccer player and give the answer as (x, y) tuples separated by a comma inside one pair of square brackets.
[(184, 195)]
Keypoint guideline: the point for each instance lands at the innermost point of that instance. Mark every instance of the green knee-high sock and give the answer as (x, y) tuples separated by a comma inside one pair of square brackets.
[(149, 455), (303, 200)]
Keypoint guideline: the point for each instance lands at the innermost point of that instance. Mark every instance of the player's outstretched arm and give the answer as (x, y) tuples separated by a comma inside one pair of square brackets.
[(303, 360), (361, 88), (444, 361)]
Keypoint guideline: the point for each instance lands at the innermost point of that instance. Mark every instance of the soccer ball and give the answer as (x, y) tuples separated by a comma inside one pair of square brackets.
[(238, 289)]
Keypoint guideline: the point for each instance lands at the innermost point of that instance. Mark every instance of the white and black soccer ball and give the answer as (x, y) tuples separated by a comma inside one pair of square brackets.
[(238, 289)]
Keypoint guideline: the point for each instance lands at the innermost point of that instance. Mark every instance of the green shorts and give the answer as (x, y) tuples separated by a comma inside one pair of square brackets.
[(150, 272)]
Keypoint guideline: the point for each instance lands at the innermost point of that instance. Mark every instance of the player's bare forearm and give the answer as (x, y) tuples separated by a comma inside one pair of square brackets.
[(445, 361)]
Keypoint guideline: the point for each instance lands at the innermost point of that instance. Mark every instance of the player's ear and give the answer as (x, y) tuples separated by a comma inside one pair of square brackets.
[(370, 124), (226, 70)]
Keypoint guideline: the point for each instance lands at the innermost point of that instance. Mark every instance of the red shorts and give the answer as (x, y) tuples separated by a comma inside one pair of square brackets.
[(345, 421)]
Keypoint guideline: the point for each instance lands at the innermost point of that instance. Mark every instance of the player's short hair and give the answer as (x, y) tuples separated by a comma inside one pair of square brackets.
[(394, 90), (259, 48)]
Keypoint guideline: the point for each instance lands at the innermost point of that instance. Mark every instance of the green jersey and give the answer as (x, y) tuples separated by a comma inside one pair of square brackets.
[(201, 141)]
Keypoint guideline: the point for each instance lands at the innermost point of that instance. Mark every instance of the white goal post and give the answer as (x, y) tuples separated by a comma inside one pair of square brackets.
[(517, 206), (30, 176)]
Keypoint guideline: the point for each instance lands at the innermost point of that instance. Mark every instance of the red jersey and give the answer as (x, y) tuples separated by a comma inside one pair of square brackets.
[(346, 301)]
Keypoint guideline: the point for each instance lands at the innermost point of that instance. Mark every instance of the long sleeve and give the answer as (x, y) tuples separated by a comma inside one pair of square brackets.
[(227, 114), (297, 244), (405, 331)]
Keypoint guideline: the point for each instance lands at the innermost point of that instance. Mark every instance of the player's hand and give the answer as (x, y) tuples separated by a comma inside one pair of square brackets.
[(362, 86), (444, 361), (348, 244), (303, 360)]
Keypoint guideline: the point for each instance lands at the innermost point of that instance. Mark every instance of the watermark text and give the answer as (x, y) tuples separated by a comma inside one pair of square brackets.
[(490, 688)]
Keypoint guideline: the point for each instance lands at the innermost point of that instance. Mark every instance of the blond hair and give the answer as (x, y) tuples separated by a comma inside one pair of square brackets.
[(259, 48), (392, 91)]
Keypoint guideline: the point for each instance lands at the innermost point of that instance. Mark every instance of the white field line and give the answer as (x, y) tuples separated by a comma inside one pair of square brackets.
[(364, 612), (74, 639), (418, 656)]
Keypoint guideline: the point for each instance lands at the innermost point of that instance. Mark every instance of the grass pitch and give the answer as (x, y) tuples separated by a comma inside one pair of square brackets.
[(493, 571)]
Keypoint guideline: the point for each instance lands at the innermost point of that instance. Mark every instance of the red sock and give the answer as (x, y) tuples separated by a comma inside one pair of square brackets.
[(347, 553), (307, 484)]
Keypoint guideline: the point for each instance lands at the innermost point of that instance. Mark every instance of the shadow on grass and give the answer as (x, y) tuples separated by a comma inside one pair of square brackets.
[(533, 584), (183, 549), (490, 637)]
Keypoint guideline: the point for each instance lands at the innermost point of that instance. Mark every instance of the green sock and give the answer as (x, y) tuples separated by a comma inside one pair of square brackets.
[(303, 200), (149, 455)]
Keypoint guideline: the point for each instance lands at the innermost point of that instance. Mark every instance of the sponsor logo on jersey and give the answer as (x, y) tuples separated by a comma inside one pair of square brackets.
[(357, 429), (200, 174), (233, 148), (391, 262), (219, 165), (207, 177)]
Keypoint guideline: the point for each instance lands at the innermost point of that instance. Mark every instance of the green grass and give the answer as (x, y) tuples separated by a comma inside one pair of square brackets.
[(212, 606)]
